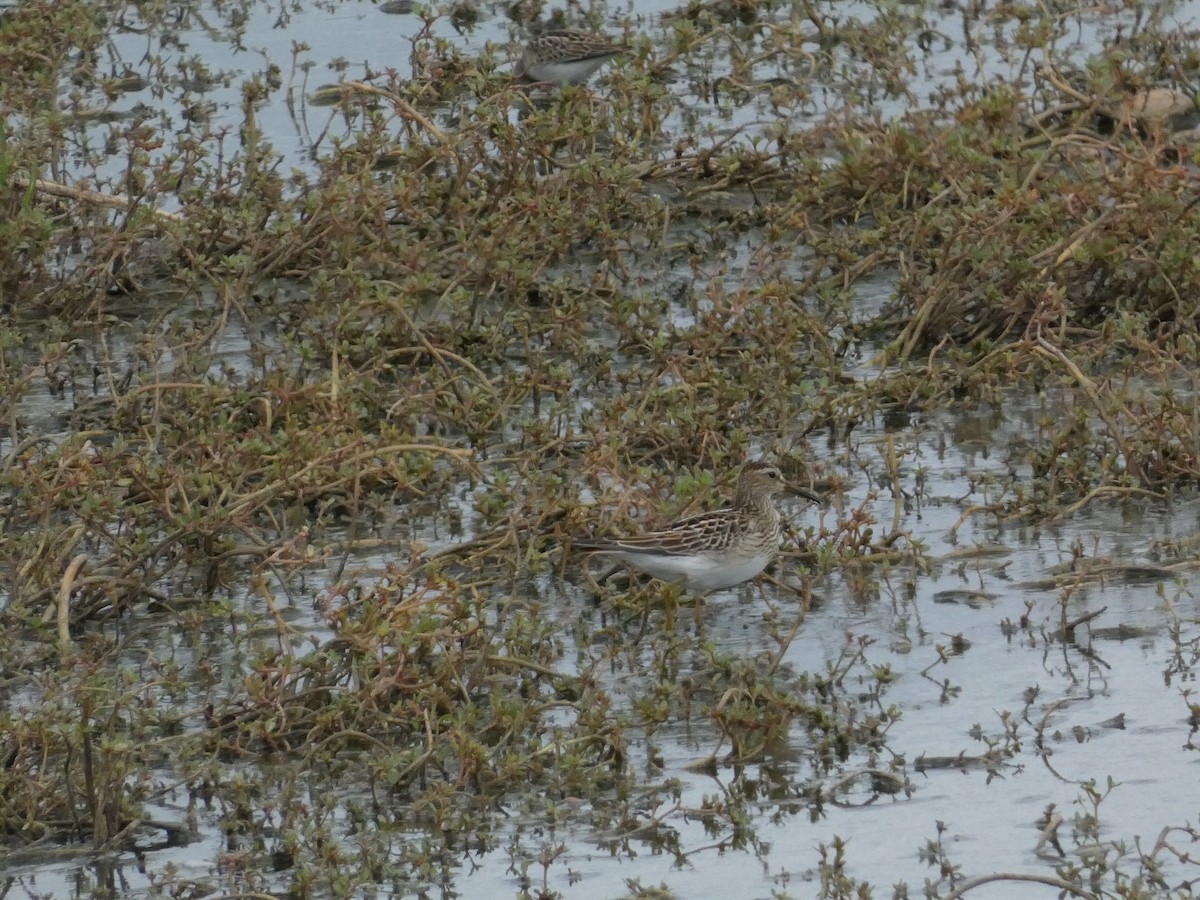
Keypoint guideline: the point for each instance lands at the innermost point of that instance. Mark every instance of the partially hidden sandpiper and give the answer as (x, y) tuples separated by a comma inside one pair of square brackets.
[(712, 550), (565, 56)]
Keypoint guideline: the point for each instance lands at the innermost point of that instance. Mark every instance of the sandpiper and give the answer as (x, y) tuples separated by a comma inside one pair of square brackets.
[(712, 550), (565, 56)]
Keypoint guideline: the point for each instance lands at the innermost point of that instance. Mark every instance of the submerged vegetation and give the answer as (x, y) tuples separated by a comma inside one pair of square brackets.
[(292, 451)]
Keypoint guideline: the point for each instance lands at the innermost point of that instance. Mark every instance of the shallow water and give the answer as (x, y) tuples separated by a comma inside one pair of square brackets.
[(1062, 705), (315, 44)]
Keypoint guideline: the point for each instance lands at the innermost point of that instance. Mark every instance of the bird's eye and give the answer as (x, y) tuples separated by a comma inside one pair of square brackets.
[(771, 473)]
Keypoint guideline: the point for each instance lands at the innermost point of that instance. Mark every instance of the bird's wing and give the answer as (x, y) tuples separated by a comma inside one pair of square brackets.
[(703, 531)]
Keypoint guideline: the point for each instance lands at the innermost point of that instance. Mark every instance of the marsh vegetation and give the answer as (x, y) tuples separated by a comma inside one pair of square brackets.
[(301, 407)]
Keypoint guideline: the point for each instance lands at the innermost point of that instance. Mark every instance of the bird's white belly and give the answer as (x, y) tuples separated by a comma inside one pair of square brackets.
[(572, 71), (704, 572)]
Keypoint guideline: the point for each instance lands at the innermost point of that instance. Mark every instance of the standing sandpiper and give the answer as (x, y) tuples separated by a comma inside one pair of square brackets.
[(565, 56), (713, 550)]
